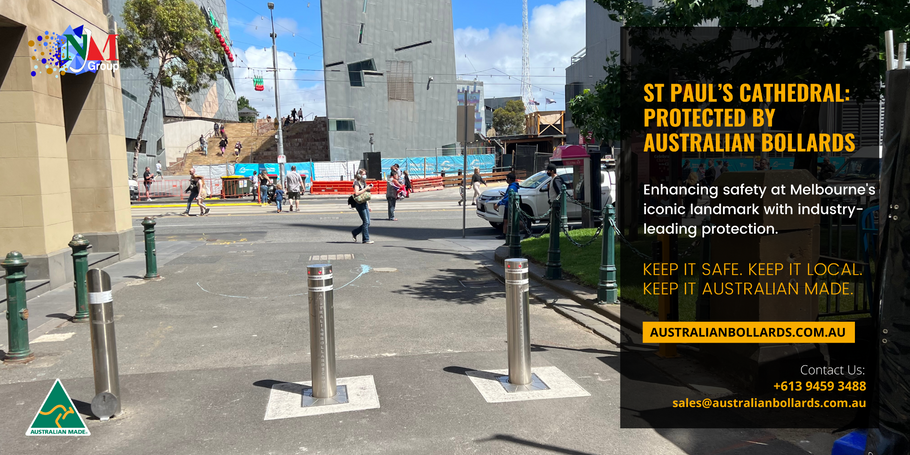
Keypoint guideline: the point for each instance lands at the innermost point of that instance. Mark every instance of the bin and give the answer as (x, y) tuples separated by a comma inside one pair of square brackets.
[(235, 186)]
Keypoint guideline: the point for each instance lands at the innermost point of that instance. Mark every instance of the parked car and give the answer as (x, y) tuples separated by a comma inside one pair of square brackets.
[(134, 190), (534, 198)]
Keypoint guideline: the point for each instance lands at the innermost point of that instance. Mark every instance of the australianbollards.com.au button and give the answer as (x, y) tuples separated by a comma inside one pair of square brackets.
[(749, 332)]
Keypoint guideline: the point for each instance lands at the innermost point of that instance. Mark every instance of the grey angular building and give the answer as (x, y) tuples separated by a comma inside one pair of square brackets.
[(390, 71), (172, 124)]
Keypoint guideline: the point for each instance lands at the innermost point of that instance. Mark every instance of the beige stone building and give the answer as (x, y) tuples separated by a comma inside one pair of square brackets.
[(62, 163)]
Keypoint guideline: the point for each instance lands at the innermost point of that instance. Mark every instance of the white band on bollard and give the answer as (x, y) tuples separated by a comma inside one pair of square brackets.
[(321, 288), (97, 298), (320, 277), (524, 281)]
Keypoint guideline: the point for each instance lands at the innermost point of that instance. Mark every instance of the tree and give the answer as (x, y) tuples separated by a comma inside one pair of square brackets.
[(794, 14), (243, 103), (510, 119), (598, 112), (175, 33)]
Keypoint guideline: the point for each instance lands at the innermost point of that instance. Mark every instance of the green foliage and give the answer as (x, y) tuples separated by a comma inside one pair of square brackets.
[(598, 111), (510, 119), (243, 103), (176, 34)]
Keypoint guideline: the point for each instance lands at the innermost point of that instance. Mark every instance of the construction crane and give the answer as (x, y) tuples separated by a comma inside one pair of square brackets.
[(525, 58)]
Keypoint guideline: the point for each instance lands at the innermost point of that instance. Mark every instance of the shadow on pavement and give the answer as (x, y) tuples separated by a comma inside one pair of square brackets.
[(398, 231), (529, 443), (447, 286)]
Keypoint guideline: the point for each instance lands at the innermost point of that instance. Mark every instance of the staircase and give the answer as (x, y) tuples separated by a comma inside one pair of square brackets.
[(258, 138)]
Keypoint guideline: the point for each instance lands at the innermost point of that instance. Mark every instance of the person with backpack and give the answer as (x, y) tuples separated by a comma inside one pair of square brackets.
[(361, 203), (222, 146)]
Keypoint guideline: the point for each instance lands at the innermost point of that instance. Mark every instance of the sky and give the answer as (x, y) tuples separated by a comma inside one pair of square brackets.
[(487, 46)]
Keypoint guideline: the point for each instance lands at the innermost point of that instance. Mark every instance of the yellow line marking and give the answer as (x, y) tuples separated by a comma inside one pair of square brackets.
[(226, 204), (314, 213)]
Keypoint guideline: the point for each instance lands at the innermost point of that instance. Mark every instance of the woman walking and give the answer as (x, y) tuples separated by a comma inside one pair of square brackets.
[(203, 193), (476, 180), (363, 209)]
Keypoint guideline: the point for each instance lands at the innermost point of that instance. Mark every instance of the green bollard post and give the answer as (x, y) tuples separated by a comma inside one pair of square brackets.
[(80, 248), (606, 289), (554, 261), (16, 309), (151, 260), (514, 229)]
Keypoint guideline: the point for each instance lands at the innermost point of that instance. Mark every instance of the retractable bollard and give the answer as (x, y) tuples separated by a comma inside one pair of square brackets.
[(104, 345), (325, 390), (80, 248), (606, 289), (16, 309), (151, 258), (518, 329)]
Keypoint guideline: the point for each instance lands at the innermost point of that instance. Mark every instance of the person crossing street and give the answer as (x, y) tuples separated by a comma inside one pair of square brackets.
[(295, 187)]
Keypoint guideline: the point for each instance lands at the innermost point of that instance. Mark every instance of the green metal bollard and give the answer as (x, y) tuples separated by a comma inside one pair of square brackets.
[(80, 248), (151, 259), (514, 238), (606, 289), (554, 261), (16, 309)]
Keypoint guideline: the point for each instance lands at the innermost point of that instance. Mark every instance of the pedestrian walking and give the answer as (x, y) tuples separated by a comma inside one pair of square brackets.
[(391, 192), (295, 186), (223, 134), (279, 196), (294, 115), (557, 184), (361, 194), (204, 145), (217, 127), (147, 178), (264, 182), (237, 148), (158, 169), (222, 145), (203, 193), (476, 180), (193, 190)]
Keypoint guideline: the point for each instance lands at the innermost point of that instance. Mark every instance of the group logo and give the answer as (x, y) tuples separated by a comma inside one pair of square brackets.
[(73, 52), (57, 416)]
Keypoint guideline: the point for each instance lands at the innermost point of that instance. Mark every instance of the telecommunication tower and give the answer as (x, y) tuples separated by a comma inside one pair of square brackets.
[(525, 58)]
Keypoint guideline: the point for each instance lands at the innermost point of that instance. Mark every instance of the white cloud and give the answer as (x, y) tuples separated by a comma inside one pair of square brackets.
[(261, 26), (298, 89), (556, 33)]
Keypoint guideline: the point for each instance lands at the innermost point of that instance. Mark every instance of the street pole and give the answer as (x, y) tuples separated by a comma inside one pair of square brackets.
[(464, 172), (606, 289), (277, 97)]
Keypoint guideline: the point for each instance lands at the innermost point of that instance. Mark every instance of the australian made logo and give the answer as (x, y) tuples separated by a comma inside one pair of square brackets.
[(57, 416), (73, 52)]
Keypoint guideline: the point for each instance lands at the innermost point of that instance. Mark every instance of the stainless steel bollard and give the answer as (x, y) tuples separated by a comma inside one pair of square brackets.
[(322, 338), (104, 343), (519, 333)]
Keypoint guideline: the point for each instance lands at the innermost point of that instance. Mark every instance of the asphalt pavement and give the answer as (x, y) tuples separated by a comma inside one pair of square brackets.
[(201, 349)]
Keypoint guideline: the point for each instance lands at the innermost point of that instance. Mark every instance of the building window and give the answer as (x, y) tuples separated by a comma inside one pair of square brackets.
[(400, 80), (355, 71), (341, 125)]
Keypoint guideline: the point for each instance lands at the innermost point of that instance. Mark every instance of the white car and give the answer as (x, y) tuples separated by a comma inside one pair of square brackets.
[(534, 197)]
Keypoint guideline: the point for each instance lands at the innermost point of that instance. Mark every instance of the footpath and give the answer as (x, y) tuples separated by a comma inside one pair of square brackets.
[(206, 352)]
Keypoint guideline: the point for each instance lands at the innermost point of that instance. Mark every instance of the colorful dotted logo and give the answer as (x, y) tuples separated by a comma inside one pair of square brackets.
[(48, 54)]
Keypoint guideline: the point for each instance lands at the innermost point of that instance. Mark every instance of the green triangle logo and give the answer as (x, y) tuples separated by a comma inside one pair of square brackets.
[(57, 416)]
